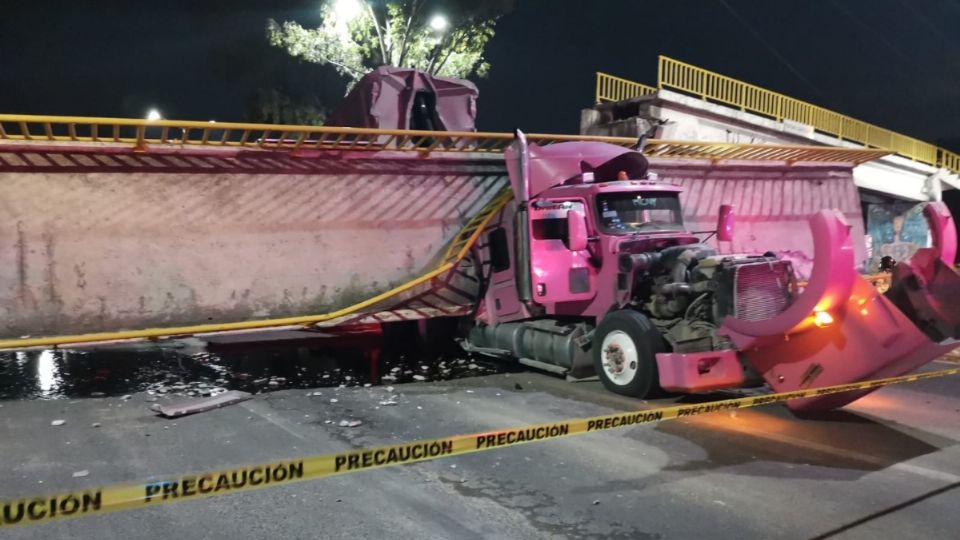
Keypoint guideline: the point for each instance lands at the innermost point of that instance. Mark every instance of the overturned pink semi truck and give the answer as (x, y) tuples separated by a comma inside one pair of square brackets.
[(591, 270)]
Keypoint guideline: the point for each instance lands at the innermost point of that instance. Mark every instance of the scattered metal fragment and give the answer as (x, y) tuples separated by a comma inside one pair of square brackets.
[(193, 406)]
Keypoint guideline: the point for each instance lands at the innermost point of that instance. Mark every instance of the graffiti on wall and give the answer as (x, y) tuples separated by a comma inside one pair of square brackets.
[(897, 230)]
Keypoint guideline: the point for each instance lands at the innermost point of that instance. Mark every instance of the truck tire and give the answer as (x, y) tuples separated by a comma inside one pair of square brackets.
[(624, 353)]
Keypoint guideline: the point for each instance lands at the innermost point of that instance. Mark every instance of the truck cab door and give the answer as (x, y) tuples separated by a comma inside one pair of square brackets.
[(559, 271)]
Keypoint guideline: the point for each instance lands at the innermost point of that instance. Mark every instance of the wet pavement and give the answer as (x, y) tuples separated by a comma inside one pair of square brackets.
[(887, 466), (190, 368)]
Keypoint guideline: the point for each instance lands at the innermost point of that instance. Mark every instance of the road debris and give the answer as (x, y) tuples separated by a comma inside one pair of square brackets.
[(95, 425), (419, 378), (58, 422), (387, 403), (350, 423), (81, 474), (193, 406)]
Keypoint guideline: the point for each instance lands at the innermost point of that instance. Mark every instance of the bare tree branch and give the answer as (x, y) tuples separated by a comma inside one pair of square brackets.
[(376, 24)]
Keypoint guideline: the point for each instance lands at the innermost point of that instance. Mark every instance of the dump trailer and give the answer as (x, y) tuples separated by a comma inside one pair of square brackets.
[(590, 269)]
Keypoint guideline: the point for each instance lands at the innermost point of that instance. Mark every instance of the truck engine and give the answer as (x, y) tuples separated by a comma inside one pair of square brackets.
[(686, 291)]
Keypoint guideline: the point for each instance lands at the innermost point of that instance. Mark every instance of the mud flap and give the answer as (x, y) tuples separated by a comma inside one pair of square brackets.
[(840, 330)]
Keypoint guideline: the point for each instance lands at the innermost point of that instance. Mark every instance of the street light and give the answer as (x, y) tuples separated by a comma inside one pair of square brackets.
[(154, 114), (439, 23), (347, 10)]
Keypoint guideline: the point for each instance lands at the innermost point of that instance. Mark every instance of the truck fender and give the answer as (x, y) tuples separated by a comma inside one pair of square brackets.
[(943, 232)]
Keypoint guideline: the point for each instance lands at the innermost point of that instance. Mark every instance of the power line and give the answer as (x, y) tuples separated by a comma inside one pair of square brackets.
[(775, 52)]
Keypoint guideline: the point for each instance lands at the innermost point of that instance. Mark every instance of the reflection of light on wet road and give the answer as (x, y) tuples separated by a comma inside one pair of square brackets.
[(47, 375)]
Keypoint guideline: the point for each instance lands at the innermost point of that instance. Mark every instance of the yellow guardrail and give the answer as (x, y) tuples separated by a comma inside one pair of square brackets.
[(747, 97), (140, 133), (949, 160), (677, 75), (610, 88), (66, 131)]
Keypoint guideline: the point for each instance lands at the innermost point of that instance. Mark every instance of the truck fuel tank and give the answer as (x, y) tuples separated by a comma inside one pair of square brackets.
[(542, 343)]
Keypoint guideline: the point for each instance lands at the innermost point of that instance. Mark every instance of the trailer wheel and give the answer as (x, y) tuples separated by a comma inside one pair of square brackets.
[(624, 350)]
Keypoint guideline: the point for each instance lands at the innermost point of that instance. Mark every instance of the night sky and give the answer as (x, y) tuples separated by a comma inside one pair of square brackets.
[(895, 63)]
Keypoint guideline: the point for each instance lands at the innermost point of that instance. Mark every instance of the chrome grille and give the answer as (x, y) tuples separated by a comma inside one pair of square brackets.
[(763, 290)]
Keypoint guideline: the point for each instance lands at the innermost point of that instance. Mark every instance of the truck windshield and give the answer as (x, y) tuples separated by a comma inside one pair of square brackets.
[(645, 211)]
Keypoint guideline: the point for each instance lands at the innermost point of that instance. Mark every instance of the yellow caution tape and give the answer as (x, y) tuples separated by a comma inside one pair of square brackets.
[(148, 494)]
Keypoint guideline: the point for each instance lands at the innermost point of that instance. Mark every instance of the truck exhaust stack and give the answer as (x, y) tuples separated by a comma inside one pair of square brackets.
[(841, 330)]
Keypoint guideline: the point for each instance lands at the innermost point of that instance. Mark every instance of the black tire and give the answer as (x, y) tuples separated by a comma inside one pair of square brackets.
[(647, 342)]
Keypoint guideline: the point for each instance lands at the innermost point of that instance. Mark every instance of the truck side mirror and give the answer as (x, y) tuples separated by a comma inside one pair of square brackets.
[(576, 230), (725, 223)]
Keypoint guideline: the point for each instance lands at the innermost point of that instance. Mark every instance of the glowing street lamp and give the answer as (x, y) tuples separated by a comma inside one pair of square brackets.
[(154, 114), (347, 10), (439, 23)]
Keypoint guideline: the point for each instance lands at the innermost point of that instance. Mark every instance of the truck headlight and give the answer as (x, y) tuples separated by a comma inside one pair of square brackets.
[(822, 319)]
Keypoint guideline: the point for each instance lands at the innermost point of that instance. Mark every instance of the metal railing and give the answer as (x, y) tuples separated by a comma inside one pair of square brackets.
[(142, 133), (610, 88), (53, 134), (747, 97), (949, 160), (690, 79)]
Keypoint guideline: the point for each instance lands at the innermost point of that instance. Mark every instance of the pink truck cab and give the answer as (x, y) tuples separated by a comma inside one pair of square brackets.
[(590, 270)]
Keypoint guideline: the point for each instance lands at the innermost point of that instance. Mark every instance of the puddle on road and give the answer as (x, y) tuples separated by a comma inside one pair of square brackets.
[(184, 368)]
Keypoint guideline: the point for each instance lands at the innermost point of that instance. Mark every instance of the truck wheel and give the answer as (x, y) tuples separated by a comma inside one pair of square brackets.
[(624, 350)]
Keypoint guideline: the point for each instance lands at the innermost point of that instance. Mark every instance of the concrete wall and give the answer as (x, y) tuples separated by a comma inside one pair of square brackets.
[(86, 250)]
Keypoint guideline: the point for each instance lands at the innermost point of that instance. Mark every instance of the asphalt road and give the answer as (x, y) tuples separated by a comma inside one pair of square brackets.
[(887, 466)]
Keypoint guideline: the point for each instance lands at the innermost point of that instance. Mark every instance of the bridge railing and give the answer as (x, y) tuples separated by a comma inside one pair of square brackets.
[(690, 79), (610, 88), (747, 97)]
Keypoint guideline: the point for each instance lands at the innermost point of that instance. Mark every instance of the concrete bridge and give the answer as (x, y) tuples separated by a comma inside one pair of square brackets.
[(692, 103)]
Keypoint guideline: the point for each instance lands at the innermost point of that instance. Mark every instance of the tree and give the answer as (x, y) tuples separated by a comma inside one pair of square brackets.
[(275, 106), (356, 36)]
